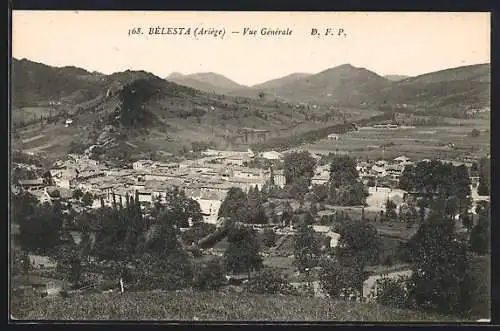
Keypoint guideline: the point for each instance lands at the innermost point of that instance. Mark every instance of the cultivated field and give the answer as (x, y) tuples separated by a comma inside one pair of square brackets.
[(414, 142)]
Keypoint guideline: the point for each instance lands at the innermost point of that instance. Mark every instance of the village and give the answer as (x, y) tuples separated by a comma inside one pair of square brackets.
[(207, 180)]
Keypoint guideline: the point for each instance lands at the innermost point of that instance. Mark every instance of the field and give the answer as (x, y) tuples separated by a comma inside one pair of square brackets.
[(27, 114), (414, 142), (188, 305)]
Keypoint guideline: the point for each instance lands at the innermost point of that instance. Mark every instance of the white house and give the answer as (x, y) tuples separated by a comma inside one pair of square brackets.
[(401, 159), (333, 136), (272, 155), (68, 122)]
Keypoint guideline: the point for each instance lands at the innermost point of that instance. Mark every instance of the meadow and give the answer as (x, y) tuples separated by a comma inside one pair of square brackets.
[(224, 305), (414, 142)]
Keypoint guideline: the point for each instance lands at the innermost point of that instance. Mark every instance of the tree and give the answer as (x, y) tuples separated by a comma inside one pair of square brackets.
[(298, 165), (299, 188), (484, 177), (390, 210), (234, 205), (480, 237), (77, 194), (422, 204), (320, 193), (359, 241), (242, 254), (40, 226), (255, 199), (439, 267), (343, 171), (69, 263), (181, 208), (87, 199), (209, 276), (306, 248), (393, 292), (269, 237), (434, 178), (198, 231), (359, 246), (341, 281), (270, 282), (409, 214), (353, 195), (475, 133)]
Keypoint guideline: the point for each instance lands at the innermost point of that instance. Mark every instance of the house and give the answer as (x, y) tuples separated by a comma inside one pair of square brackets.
[(142, 164), (210, 202), (333, 136), (248, 173), (68, 122), (32, 184), (334, 238), (235, 160), (320, 178), (272, 155), (394, 171), (378, 171), (278, 177), (401, 159), (56, 193), (246, 183)]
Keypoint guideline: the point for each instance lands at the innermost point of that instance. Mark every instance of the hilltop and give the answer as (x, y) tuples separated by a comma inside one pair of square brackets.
[(279, 82), (444, 90), (395, 78), (207, 82), (143, 113), (342, 85), (34, 82), (437, 92)]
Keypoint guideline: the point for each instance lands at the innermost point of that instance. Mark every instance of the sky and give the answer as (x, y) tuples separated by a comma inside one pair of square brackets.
[(386, 43)]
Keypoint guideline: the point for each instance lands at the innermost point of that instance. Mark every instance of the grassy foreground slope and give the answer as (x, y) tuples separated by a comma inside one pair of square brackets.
[(215, 306)]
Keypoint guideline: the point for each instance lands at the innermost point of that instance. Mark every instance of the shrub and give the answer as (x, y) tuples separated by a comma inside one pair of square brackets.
[(341, 281), (171, 272), (269, 237), (77, 194), (88, 198), (270, 282), (306, 289), (209, 276), (392, 292)]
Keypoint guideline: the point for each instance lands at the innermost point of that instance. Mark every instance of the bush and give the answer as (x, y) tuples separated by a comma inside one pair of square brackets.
[(88, 198), (77, 194), (392, 292), (341, 281), (269, 237), (172, 272), (209, 276), (270, 282)]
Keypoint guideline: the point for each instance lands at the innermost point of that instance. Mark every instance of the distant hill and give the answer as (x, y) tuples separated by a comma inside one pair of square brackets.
[(34, 82), (137, 108), (346, 85), (136, 112), (444, 90), (207, 82), (342, 85), (279, 82), (395, 78)]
